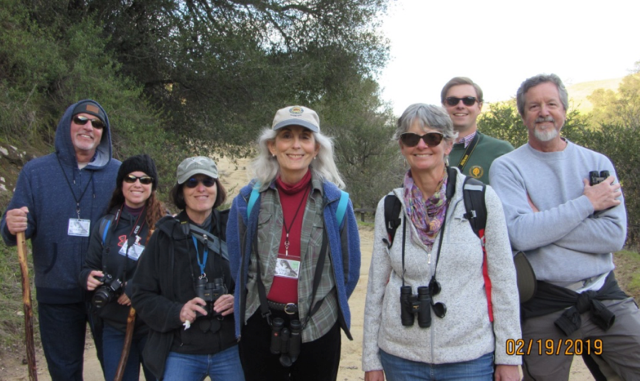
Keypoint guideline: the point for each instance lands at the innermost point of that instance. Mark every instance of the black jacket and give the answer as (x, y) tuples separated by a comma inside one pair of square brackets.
[(100, 255), (165, 280)]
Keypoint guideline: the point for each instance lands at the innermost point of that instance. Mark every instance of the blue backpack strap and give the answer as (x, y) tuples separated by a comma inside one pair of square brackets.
[(253, 198), (104, 228), (342, 206)]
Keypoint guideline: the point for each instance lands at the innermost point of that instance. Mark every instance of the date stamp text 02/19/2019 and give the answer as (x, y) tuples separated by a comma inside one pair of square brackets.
[(550, 347)]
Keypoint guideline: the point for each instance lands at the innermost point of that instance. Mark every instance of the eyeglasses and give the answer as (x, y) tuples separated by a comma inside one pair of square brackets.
[(193, 182), (431, 139), (146, 180), (82, 120), (453, 101)]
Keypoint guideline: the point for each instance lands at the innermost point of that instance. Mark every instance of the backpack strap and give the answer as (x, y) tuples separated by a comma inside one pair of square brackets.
[(253, 198), (340, 212), (104, 227), (342, 206), (392, 208), (473, 191)]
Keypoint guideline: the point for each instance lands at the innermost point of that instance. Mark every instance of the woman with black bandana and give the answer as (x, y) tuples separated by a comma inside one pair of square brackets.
[(183, 289), (116, 245)]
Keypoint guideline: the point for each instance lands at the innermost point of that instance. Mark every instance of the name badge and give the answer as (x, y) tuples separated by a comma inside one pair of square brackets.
[(78, 227), (135, 251), (287, 268)]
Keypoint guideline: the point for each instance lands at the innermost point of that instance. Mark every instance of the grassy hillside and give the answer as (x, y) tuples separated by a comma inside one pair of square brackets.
[(579, 92)]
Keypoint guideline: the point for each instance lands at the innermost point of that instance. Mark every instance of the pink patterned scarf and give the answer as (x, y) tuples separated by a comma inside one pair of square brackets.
[(427, 215)]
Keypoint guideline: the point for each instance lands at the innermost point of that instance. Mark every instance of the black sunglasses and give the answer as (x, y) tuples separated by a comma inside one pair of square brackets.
[(146, 180), (193, 182), (82, 120), (431, 139), (453, 101)]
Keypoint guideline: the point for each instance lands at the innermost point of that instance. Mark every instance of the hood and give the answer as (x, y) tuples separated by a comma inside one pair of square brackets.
[(64, 146)]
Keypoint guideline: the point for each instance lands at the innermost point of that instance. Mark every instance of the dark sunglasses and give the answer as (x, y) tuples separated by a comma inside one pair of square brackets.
[(146, 180), (431, 139), (453, 101), (82, 120), (193, 182)]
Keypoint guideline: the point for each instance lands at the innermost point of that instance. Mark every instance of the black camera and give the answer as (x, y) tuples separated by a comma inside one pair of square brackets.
[(111, 288), (210, 292), (597, 178), (286, 341), (420, 304)]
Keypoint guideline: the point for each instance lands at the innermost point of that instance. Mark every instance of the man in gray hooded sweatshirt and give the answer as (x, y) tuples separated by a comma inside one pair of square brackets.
[(57, 200)]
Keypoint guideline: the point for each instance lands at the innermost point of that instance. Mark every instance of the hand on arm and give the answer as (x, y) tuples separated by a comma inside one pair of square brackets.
[(603, 195)]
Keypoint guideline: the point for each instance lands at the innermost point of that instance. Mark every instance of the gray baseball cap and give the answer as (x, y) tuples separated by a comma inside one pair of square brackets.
[(199, 165), (296, 116)]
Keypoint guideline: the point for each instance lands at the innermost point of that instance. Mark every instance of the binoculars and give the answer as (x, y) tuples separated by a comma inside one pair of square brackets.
[(597, 178), (210, 292), (286, 341), (420, 304)]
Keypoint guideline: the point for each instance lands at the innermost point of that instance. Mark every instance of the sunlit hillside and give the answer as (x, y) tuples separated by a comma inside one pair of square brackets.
[(578, 93)]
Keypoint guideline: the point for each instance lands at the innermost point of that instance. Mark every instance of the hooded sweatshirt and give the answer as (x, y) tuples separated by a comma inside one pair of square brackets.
[(55, 190)]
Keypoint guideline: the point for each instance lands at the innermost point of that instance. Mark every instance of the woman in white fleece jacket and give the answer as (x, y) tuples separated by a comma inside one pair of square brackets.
[(460, 342)]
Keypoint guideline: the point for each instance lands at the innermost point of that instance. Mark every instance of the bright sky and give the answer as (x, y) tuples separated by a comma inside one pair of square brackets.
[(500, 43)]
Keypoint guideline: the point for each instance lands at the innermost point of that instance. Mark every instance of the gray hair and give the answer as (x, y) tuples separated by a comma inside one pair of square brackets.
[(265, 167), (431, 116), (538, 80)]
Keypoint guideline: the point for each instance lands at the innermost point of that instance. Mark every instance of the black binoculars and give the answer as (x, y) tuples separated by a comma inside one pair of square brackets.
[(420, 304), (210, 292), (286, 341), (597, 178)]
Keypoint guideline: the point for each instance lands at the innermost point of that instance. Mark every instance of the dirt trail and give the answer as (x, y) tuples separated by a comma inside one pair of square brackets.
[(234, 177)]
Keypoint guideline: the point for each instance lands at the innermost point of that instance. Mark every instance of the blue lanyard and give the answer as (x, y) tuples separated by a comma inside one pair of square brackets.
[(202, 263)]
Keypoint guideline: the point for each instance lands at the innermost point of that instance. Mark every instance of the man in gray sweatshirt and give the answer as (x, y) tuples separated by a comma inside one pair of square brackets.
[(568, 224)]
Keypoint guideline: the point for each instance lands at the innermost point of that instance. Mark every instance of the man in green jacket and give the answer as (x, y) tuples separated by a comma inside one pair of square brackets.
[(473, 152)]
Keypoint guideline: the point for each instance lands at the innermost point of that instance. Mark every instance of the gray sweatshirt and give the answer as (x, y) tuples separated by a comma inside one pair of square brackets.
[(565, 241)]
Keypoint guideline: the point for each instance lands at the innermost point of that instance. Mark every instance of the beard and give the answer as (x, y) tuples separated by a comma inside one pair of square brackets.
[(547, 134)]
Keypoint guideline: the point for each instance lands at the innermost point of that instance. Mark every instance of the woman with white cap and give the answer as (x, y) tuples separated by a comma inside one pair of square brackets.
[(295, 254), (183, 288)]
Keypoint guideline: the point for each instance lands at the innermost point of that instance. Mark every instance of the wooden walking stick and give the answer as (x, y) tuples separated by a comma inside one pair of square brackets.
[(28, 311), (128, 336)]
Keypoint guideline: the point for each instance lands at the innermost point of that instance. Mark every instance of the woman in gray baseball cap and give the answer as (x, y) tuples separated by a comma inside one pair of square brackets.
[(295, 252), (183, 287)]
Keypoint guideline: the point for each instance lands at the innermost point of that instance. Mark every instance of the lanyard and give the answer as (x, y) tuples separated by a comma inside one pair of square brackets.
[(284, 223), (468, 151), (77, 200), (137, 227), (201, 263)]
